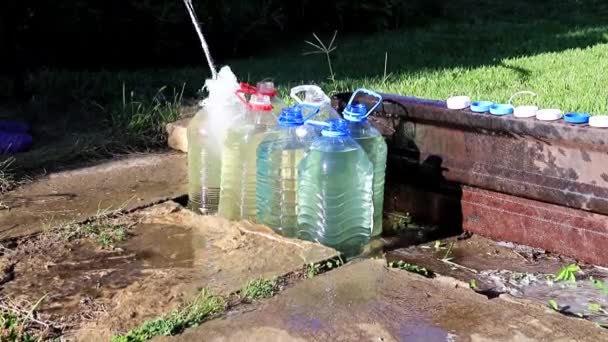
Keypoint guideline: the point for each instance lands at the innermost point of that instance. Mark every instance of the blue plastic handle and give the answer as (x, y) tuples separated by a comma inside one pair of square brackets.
[(481, 106), (577, 118), (318, 123), (368, 92), (501, 109), (315, 110)]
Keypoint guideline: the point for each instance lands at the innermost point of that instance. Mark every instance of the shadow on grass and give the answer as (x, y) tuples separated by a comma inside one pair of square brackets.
[(76, 108)]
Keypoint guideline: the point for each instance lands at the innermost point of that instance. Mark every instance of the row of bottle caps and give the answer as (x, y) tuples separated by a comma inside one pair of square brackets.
[(525, 111)]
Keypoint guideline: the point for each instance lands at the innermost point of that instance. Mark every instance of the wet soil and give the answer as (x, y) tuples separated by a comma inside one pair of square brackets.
[(169, 256)]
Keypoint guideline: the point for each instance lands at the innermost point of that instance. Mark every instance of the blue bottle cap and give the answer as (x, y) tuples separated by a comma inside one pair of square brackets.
[(291, 116), (335, 128), (481, 106), (501, 109), (294, 115), (577, 118), (356, 112)]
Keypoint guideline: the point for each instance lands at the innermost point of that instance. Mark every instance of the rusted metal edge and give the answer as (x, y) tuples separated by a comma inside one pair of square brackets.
[(576, 233), (432, 111), (526, 158)]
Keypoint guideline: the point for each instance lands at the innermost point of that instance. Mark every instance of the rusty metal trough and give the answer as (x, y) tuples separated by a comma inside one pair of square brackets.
[(543, 184)]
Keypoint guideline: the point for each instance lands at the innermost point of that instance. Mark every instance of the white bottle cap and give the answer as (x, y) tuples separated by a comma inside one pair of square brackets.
[(525, 111), (599, 121), (549, 114), (458, 102)]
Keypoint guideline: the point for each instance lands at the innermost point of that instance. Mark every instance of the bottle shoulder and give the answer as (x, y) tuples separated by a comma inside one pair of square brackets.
[(363, 129)]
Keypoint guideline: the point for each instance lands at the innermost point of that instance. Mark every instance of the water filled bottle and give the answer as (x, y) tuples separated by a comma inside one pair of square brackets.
[(206, 132), (277, 169), (374, 145), (314, 96), (335, 191), (268, 88), (238, 186)]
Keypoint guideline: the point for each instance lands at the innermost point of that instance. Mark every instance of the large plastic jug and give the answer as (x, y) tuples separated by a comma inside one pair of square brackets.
[(206, 133), (374, 145), (335, 204), (238, 183), (277, 169)]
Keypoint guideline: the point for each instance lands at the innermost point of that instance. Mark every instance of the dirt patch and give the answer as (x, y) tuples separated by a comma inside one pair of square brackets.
[(169, 256)]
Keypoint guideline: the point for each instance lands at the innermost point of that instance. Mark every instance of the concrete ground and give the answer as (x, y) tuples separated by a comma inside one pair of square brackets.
[(170, 254)]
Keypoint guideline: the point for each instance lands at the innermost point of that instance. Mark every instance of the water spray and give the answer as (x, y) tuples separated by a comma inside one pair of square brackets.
[(201, 37)]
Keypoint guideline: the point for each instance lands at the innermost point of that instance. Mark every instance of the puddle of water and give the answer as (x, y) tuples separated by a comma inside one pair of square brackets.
[(75, 272)]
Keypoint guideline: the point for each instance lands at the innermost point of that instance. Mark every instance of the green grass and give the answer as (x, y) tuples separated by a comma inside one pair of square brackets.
[(313, 269), (402, 265), (487, 49), (483, 48), (104, 234), (12, 329), (189, 315), (7, 178), (259, 288)]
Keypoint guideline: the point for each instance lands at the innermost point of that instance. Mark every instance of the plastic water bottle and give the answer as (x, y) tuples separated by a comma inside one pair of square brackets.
[(238, 181), (335, 191), (277, 169), (314, 97), (374, 145), (206, 132), (268, 88)]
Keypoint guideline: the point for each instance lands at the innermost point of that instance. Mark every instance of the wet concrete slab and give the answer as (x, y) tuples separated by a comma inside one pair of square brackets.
[(366, 301), (467, 258), (169, 256), (521, 271), (74, 196)]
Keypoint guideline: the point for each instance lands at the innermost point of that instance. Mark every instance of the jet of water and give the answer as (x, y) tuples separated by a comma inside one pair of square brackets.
[(201, 37)]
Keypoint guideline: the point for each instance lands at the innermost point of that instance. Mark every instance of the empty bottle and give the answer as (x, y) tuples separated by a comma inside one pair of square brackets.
[(335, 191), (314, 97), (268, 88), (206, 132), (374, 145), (238, 182), (279, 155)]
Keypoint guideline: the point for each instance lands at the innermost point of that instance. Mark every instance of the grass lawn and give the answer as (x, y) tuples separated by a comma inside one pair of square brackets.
[(487, 49)]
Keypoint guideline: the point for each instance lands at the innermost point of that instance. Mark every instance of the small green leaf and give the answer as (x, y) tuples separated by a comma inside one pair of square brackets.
[(595, 307), (473, 284), (553, 305)]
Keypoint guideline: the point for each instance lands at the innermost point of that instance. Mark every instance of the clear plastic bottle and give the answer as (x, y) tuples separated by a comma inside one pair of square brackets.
[(238, 183), (314, 97), (374, 145), (206, 132), (335, 191), (268, 88), (277, 170)]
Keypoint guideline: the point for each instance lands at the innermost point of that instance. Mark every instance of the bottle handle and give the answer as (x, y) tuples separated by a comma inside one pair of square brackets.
[(245, 89), (315, 110), (520, 93), (318, 123), (308, 88), (368, 92)]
